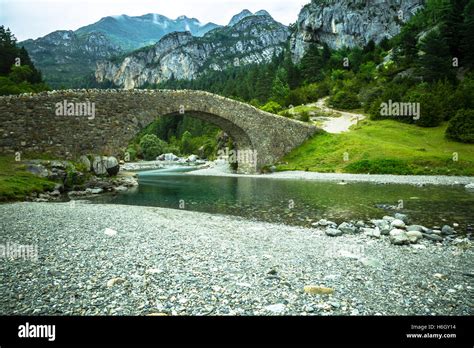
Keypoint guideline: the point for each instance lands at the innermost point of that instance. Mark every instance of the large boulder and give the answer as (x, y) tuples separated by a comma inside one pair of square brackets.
[(170, 157), (99, 165), (84, 160), (103, 165), (112, 166)]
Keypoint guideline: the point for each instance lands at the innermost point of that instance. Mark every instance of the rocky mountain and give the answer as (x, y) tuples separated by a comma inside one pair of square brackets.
[(131, 33), (244, 14), (350, 23), (66, 57), (253, 39)]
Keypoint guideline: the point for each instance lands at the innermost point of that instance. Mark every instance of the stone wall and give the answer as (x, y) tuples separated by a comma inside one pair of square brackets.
[(29, 123)]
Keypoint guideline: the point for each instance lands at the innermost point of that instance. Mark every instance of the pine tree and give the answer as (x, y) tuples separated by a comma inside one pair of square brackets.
[(435, 62), (311, 65), (452, 23), (280, 88), (467, 41)]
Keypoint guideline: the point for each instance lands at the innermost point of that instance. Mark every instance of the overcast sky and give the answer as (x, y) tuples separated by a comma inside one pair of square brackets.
[(30, 19)]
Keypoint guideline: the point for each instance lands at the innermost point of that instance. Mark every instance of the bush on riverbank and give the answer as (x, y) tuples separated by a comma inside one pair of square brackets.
[(461, 127)]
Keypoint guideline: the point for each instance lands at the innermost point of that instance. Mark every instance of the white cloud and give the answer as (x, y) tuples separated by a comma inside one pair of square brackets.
[(35, 18)]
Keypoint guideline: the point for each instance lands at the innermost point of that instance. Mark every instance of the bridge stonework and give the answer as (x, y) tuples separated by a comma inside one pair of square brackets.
[(29, 124)]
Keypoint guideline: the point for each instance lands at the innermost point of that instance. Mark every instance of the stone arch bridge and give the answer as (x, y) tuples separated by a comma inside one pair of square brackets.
[(35, 123)]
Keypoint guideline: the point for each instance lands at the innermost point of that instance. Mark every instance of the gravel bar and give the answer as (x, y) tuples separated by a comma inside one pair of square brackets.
[(175, 262), (373, 178)]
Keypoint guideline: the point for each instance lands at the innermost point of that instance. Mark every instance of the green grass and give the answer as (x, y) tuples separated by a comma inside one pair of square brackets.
[(383, 147), (308, 109), (16, 183)]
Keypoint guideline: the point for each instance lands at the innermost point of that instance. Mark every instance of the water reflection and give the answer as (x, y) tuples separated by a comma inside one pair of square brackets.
[(298, 202)]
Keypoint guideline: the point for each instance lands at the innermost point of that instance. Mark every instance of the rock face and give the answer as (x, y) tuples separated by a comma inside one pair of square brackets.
[(349, 23), (75, 53), (244, 14), (179, 55)]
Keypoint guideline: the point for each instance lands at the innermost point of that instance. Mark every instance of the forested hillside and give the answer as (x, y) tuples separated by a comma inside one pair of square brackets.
[(17, 72), (430, 62)]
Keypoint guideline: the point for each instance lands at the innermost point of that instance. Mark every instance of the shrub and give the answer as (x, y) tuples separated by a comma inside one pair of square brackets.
[(272, 107), (151, 146), (461, 127), (132, 153), (303, 116), (344, 100), (431, 113)]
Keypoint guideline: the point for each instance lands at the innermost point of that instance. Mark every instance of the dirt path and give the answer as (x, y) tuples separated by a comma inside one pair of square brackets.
[(335, 124)]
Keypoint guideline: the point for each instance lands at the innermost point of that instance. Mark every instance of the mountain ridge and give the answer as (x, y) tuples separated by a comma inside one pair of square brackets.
[(254, 39)]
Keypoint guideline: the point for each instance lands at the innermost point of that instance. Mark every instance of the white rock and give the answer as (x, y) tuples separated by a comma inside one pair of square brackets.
[(115, 281), (110, 232), (414, 236), (398, 237), (94, 191), (371, 232), (278, 308), (397, 224)]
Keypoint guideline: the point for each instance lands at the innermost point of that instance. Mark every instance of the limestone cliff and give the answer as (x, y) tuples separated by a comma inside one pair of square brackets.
[(349, 23), (254, 39)]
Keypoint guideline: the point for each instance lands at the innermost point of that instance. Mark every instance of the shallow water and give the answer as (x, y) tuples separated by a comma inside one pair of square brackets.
[(298, 202)]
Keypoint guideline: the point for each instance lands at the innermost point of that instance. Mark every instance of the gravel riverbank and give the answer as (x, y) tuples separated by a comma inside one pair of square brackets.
[(130, 260), (220, 169)]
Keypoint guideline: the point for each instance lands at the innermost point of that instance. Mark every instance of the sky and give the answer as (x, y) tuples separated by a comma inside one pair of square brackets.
[(30, 19)]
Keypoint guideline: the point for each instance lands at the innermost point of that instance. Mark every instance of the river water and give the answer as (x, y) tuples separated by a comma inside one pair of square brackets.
[(298, 202)]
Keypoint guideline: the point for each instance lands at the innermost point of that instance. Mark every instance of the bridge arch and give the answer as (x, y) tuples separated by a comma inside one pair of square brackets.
[(29, 122)]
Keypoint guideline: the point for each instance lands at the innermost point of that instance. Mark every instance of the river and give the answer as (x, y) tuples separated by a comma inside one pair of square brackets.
[(299, 202)]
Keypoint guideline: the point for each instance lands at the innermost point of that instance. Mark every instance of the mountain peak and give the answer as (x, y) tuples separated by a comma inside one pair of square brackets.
[(262, 13), (246, 13), (238, 17)]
